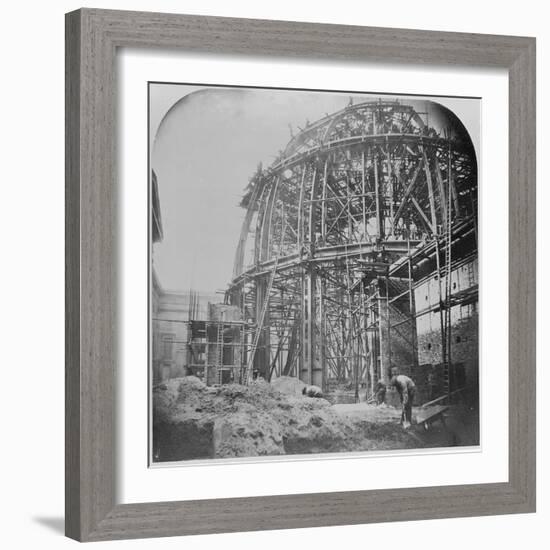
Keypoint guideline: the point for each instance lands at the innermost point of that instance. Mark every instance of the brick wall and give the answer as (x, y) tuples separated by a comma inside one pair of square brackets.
[(464, 324), (397, 350)]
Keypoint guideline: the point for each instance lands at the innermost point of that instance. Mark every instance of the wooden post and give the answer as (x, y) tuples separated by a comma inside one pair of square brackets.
[(430, 192), (324, 203), (379, 217), (390, 181), (363, 192), (412, 307)]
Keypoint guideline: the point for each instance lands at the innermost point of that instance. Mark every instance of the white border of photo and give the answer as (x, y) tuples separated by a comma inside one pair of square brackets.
[(487, 463)]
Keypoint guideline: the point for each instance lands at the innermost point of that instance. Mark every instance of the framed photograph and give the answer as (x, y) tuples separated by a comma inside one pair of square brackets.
[(300, 275)]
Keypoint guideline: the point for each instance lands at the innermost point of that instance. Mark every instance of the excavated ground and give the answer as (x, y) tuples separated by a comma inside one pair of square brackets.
[(192, 421)]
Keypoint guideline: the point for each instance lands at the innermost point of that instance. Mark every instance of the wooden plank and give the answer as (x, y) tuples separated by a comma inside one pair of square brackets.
[(431, 195), (430, 414)]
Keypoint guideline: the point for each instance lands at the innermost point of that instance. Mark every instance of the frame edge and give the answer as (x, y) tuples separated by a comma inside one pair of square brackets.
[(90, 506), (72, 274), (522, 272)]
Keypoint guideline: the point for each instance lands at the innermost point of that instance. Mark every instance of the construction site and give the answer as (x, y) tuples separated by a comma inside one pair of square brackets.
[(357, 254)]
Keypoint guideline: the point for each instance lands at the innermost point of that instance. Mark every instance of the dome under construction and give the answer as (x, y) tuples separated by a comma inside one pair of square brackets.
[(358, 250)]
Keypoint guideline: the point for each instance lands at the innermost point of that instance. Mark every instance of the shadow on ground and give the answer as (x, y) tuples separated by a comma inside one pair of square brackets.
[(55, 524)]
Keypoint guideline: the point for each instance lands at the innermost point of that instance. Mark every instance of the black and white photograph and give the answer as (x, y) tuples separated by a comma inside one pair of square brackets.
[(313, 272), (275, 267)]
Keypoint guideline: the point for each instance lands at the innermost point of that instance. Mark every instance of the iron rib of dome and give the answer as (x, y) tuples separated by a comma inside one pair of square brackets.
[(356, 178)]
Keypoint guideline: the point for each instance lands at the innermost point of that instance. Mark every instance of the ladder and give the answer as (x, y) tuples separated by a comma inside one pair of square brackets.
[(471, 275), (219, 351), (447, 318), (448, 288)]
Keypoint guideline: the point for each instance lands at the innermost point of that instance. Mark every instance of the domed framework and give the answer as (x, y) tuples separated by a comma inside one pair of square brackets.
[(358, 206)]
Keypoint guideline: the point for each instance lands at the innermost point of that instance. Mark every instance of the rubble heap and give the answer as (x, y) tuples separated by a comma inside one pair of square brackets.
[(192, 420)]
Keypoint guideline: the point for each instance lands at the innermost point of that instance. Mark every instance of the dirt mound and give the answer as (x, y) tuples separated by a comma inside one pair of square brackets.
[(288, 385), (192, 420), (244, 433)]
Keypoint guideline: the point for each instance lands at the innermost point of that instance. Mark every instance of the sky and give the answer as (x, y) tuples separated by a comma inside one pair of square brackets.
[(206, 143)]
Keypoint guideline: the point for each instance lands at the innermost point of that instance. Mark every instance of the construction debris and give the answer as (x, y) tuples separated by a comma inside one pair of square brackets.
[(193, 421)]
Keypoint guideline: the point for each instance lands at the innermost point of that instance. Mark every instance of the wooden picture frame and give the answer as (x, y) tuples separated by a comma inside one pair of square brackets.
[(92, 39)]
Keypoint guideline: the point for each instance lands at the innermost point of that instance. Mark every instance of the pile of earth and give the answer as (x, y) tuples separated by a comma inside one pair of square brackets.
[(288, 385), (192, 420)]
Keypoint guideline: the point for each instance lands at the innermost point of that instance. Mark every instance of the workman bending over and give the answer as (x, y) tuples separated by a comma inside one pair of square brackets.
[(312, 391), (407, 390)]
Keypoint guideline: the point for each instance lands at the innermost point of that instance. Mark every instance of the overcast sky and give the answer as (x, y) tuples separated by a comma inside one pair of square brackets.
[(206, 144)]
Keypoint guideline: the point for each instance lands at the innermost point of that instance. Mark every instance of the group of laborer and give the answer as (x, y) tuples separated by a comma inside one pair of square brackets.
[(403, 384)]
